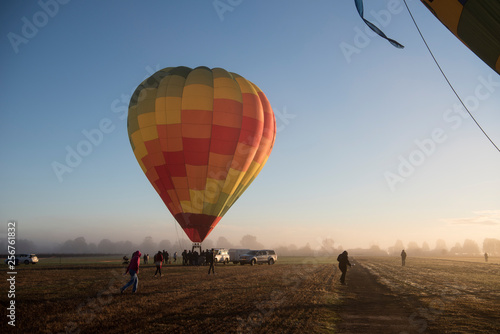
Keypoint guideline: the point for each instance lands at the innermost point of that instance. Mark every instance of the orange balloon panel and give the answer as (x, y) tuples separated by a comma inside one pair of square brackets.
[(201, 136)]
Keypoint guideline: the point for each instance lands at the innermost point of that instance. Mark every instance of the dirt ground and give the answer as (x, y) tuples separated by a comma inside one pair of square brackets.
[(367, 306), (294, 296), (291, 298)]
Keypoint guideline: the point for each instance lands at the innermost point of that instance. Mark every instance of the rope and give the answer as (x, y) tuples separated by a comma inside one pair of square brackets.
[(446, 78), (178, 239)]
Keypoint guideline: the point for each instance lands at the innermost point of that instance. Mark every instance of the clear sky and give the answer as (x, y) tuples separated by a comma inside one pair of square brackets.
[(370, 145)]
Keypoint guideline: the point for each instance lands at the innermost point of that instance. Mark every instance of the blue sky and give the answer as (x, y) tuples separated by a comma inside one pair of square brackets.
[(347, 122)]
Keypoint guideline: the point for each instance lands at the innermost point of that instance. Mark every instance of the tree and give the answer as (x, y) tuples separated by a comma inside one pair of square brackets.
[(209, 244), (470, 247), (440, 248), (292, 249), (92, 248), (80, 245), (106, 246), (376, 251), (182, 244), (148, 246), (413, 246), (457, 249), (425, 247), (328, 246), (414, 249), (397, 248), (125, 247), (164, 245), (222, 242), (24, 246), (491, 246), (440, 245), (67, 247), (76, 246), (306, 250), (250, 241), (282, 250)]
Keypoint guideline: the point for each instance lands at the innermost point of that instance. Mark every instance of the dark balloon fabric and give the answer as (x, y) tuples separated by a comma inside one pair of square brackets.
[(475, 22)]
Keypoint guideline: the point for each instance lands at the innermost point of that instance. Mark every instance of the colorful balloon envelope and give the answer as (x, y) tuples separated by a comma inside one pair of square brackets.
[(201, 136), (475, 22)]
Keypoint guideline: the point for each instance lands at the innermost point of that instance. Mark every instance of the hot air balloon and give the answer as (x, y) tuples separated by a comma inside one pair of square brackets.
[(475, 22), (201, 136)]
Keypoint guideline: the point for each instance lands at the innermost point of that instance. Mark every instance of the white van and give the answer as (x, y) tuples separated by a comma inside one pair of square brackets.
[(221, 255)]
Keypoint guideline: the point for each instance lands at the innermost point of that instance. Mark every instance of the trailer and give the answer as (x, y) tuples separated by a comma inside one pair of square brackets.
[(235, 253)]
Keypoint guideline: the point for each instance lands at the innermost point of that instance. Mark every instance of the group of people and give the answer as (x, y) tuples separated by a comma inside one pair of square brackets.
[(193, 258), (209, 255), (159, 259), (165, 257)]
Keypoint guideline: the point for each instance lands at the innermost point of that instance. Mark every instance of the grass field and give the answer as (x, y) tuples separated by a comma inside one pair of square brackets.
[(456, 295), (296, 295)]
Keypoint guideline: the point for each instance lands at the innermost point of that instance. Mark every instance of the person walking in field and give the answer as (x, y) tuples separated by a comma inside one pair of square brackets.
[(343, 263), (158, 258), (403, 257), (175, 257), (211, 261), (133, 270), (485, 257)]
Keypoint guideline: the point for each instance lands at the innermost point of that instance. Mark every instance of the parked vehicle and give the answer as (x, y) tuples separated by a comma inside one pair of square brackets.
[(221, 255), (23, 258), (259, 257), (234, 254)]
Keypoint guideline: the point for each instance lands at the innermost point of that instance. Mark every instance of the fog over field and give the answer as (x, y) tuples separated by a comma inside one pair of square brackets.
[(326, 246)]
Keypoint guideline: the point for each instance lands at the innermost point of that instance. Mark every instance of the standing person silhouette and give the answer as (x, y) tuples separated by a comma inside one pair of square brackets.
[(403, 257), (343, 263), (211, 261)]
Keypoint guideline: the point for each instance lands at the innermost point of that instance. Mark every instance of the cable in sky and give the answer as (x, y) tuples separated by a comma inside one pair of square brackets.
[(446, 78)]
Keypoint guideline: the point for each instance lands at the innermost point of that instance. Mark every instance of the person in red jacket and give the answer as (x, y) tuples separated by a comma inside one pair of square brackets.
[(133, 270), (158, 262)]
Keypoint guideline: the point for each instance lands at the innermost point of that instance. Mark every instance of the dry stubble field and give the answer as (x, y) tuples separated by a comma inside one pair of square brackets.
[(296, 295), (86, 299), (455, 295)]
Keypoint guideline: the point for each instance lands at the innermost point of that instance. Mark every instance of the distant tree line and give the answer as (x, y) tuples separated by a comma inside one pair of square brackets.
[(80, 246), (468, 247), (327, 247)]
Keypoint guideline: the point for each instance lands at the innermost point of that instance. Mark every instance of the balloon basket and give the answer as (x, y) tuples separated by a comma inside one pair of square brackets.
[(196, 245)]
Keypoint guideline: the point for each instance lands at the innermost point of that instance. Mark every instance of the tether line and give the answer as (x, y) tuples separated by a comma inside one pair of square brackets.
[(446, 78)]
